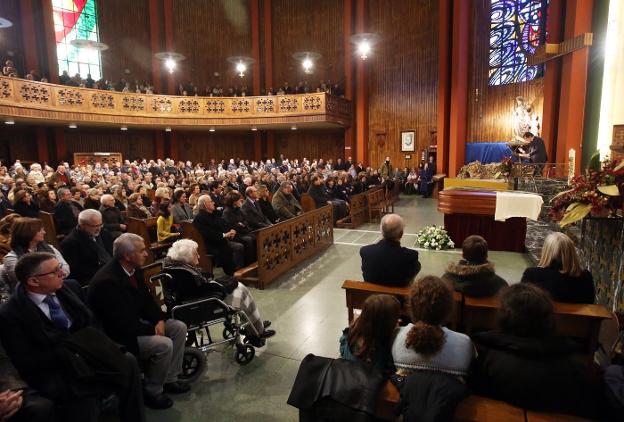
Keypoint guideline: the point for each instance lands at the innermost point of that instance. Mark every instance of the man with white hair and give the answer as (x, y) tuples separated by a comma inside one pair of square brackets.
[(113, 220), (387, 262), (88, 247), (130, 316)]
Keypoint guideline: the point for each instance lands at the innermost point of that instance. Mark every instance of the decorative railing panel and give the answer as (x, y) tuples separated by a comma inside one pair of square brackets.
[(36, 100), (284, 245)]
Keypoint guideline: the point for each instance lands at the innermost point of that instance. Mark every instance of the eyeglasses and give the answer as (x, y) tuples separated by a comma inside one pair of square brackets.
[(58, 270), (94, 225)]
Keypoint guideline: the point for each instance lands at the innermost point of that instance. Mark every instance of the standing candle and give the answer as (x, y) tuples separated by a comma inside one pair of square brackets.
[(571, 164)]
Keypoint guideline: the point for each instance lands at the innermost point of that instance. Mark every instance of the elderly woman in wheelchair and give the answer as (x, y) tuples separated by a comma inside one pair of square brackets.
[(188, 283)]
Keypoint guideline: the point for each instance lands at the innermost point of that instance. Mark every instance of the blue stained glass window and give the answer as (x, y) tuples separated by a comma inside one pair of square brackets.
[(517, 28)]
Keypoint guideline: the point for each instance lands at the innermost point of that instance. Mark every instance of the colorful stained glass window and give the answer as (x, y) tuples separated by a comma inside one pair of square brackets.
[(76, 19), (517, 28)]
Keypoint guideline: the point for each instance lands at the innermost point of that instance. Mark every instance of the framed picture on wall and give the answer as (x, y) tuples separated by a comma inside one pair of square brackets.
[(408, 140)]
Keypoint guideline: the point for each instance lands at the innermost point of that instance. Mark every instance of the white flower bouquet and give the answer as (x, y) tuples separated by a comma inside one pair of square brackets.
[(434, 237)]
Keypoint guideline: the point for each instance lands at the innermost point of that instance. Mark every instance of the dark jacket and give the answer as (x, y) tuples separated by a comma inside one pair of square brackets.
[(253, 215), (543, 374), (90, 203), (112, 218), (537, 150), (477, 280), (387, 262), (234, 219), (318, 194), (431, 396), (187, 283), (125, 312), (25, 210), (562, 287), (81, 253), (64, 216), (136, 212), (267, 210), (335, 390), (210, 226), (33, 343)]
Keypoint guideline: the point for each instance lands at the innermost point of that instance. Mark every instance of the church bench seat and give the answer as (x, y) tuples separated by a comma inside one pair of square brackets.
[(376, 203), (47, 219), (358, 212), (307, 203), (146, 228), (206, 261)]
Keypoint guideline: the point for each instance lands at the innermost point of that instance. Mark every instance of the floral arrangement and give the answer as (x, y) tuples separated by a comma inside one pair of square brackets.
[(434, 237), (598, 193)]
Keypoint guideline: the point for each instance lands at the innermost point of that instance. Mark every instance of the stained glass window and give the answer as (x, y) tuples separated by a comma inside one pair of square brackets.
[(517, 28), (76, 19)]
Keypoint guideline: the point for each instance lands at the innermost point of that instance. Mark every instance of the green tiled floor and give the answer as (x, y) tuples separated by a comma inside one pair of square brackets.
[(307, 307)]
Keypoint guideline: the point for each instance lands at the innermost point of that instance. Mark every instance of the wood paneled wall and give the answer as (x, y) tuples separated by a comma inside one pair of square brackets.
[(315, 26), (17, 143), (131, 143), (204, 146), (11, 46), (490, 108), (124, 26), (402, 83), (318, 143), (207, 33)]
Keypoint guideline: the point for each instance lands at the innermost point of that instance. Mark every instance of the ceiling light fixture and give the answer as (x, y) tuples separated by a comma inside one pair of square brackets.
[(124, 128), (9, 122), (241, 64), (170, 59), (307, 59), (364, 43), (72, 126), (254, 129), (211, 129), (167, 129), (85, 44), (293, 127)]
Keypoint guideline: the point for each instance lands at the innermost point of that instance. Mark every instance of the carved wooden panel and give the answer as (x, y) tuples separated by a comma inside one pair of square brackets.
[(102, 100), (288, 104), (311, 103), (338, 105), (35, 93), (215, 106), (70, 97), (162, 105), (5, 89), (324, 227), (241, 106), (275, 248), (188, 106), (303, 237), (92, 158), (133, 103), (265, 105)]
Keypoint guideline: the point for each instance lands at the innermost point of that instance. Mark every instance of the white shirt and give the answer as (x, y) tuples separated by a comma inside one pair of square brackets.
[(38, 299)]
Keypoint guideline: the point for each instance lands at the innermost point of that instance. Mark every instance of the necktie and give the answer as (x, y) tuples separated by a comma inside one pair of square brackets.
[(57, 315)]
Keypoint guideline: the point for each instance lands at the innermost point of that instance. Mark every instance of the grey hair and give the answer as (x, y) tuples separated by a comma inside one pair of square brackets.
[(87, 215), (183, 250), (201, 201), (249, 190), (62, 191), (125, 244), (392, 226), (106, 197)]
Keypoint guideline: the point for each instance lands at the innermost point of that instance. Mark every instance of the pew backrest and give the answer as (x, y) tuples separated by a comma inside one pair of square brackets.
[(307, 203), (51, 236), (205, 259)]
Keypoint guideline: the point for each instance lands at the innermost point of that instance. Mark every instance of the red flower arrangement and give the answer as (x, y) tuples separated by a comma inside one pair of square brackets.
[(598, 193)]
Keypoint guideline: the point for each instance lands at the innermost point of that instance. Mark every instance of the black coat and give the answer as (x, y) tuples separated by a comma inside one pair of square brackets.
[(431, 396), (267, 210), (234, 219), (33, 343), (80, 252), (344, 389), (64, 216), (122, 308), (253, 215), (478, 280), (537, 150), (387, 262), (112, 218), (210, 226), (25, 210), (318, 194), (562, 287), (543, 374)]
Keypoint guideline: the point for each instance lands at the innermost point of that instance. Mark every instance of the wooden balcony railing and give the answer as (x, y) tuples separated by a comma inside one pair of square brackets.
[(36, 101)]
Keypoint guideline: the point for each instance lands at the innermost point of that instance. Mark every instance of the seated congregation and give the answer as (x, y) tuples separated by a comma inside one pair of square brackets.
[(415, 340)]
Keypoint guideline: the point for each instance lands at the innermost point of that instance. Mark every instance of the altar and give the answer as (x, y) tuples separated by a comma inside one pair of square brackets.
[(499, 217)]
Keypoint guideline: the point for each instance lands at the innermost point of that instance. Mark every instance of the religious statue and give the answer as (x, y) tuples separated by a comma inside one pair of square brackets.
[(522, 119)]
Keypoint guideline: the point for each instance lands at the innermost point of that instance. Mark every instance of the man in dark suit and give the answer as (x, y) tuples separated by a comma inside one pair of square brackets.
[(387, 262), (112, 218), (122, 302), (66, 212), (536, 151), (87, 247), (251, 210), (208, 222), (36, 325)]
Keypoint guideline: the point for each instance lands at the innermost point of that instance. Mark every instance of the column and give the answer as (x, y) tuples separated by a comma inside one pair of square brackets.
[(255, 54), (361, 93), (460, 57), (445, 28), (155, 45), (168, 15), (349, 145), (50, 42)]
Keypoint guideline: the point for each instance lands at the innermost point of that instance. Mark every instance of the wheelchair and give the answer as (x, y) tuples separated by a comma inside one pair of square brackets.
[(201, 314)]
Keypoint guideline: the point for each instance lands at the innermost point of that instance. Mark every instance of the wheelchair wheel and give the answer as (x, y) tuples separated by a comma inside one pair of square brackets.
[(228, 332), (244, 354), (193, 364)]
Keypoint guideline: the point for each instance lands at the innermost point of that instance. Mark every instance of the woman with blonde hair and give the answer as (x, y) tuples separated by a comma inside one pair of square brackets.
[(560, 273), (426, 344)]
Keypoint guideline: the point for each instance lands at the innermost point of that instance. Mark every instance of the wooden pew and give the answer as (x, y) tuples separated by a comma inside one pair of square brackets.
[(356, 293), (392, 195), (376, 203), (572, 319), (146, 228), (47, 219), (307, 203), (206, 261), (532, 416), (282, 246), (358, 212), (438, 184), (472, 408)]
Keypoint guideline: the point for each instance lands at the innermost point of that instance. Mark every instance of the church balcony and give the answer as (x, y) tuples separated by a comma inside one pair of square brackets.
[(43, 103)]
